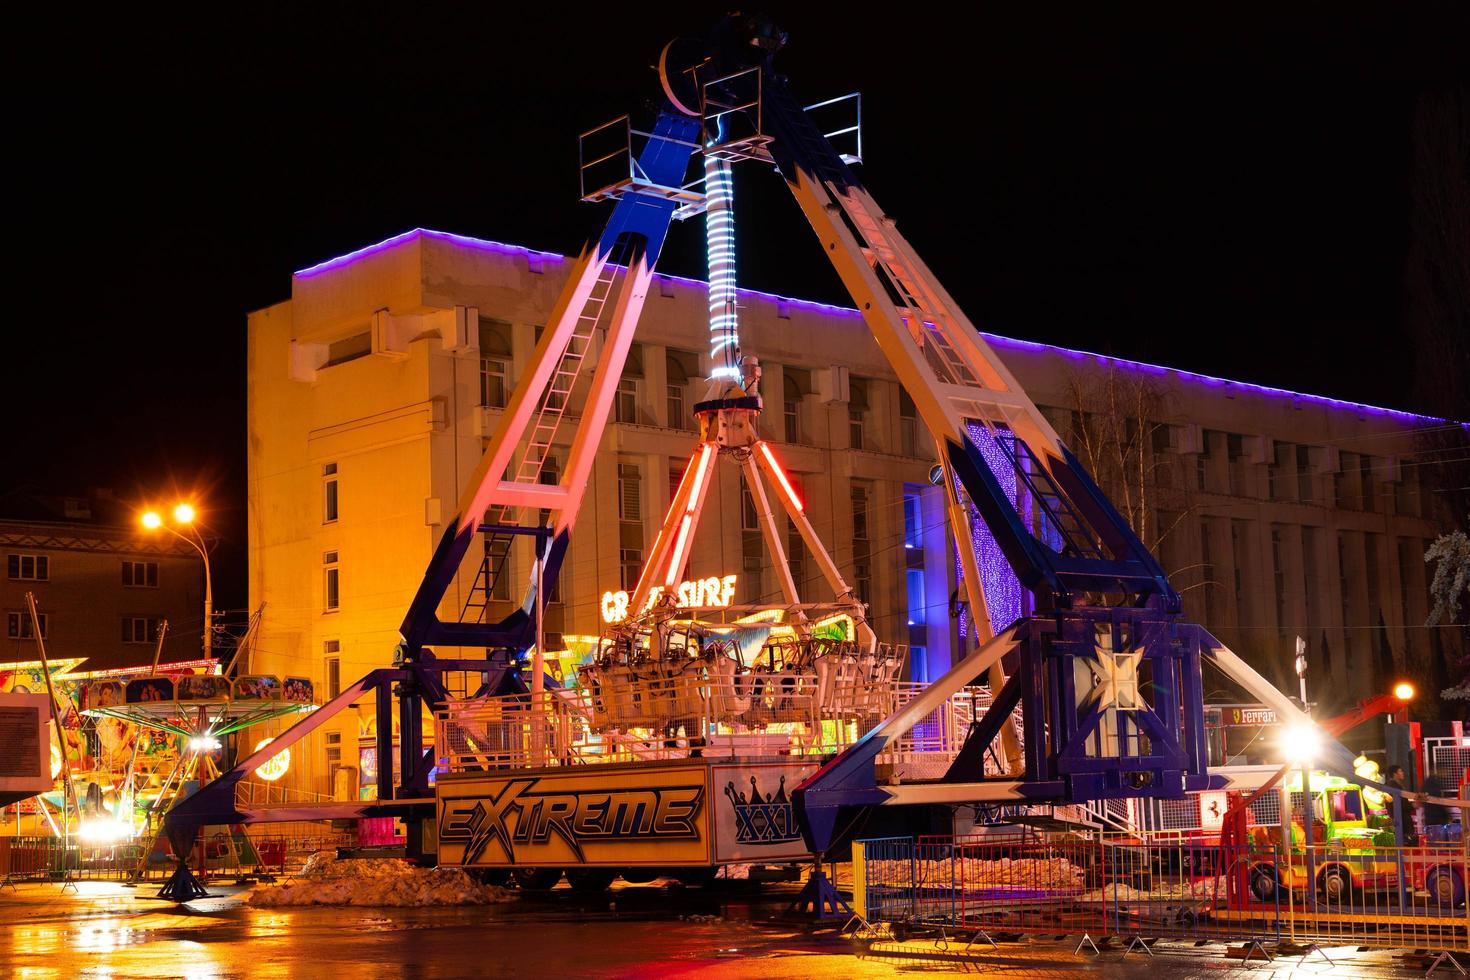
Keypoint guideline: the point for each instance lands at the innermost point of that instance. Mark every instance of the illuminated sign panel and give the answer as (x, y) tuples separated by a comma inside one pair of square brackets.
[(715, 592), (628, 818)]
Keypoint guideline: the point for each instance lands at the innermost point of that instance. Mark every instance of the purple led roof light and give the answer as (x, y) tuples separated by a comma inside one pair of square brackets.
[(995, 339), (478, 244)]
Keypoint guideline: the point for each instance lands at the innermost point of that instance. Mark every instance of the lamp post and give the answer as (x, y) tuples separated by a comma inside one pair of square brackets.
[(184, 515)]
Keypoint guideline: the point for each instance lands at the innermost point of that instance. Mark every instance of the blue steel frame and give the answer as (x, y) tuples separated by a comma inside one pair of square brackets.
[(635, 231)]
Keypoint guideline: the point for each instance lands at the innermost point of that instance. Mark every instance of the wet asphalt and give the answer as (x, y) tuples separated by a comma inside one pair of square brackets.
[(104, 930)]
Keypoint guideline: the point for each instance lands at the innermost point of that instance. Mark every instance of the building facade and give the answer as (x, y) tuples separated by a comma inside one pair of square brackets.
[(375, 386), (103, 585)]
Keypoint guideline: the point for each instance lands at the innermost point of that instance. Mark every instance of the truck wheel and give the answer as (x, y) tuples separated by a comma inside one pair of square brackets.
[(1264, 884), (1336, 884), (536, 879), (491, 876), (590, 879), (1446, 888)]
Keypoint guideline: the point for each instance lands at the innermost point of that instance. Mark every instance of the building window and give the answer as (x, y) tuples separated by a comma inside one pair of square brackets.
[(630, 493), (630, 563), (913, 522), (795, 383), (495, 361), (140, 574), (795, 555), (1344, 580), (1365, 473), (1310, 582), (1239, 477), (1207, 570), (1239, 560), (331, 583), (333, 671), (18, 625), (1304, 491), (1278, 574), (914, 579), (749, 518), (1344, 482), (919, 665), (494, 381), (1279, 472), (329, 493), (625, 404), (334, 760), (30, 568), (857, 413), (681, 368), (908, 424), (349, 349), (630, 524), (861, 494), (140, 629)]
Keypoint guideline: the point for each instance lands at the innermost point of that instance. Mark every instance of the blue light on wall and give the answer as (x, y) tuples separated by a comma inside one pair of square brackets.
[(1003, 595)]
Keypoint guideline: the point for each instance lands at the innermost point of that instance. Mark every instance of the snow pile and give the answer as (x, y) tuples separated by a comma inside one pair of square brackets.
[(1200, 889), (325, 880)]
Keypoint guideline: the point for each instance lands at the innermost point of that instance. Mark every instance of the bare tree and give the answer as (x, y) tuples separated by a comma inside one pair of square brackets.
[(1120, 431)]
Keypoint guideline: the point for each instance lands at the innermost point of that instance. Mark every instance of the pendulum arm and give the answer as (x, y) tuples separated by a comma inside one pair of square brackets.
[(774, 545), (601, 302), (670, 550), (765, 458)]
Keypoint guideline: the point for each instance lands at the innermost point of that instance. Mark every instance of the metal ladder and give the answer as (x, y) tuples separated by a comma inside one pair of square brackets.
[(543, 428)]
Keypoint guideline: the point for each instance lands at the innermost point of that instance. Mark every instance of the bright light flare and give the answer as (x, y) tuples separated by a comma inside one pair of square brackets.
[(1404, 691), (276, 766), (104, 830), (204, 743), (1301, 742), (151, 520), (184, 514)]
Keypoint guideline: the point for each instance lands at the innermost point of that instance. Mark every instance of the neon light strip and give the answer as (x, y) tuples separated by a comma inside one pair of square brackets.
[(719, 229), (677, 562), (693, 500), (478, 244), (829, 309), (781, 477)]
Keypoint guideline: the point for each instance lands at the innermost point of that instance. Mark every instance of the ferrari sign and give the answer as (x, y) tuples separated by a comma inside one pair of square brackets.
[(649, 816)]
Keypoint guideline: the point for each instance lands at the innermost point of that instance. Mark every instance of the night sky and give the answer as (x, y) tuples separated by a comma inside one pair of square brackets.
[(1223, 189)]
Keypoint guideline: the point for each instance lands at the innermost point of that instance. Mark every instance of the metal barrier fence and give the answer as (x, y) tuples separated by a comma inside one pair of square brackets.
[(217, 854), (1449, 757), (53, 859), (1005, 884)]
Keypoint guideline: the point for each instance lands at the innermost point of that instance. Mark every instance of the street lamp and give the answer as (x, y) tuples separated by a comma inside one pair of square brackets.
[(184, 515), (1405, 692)]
